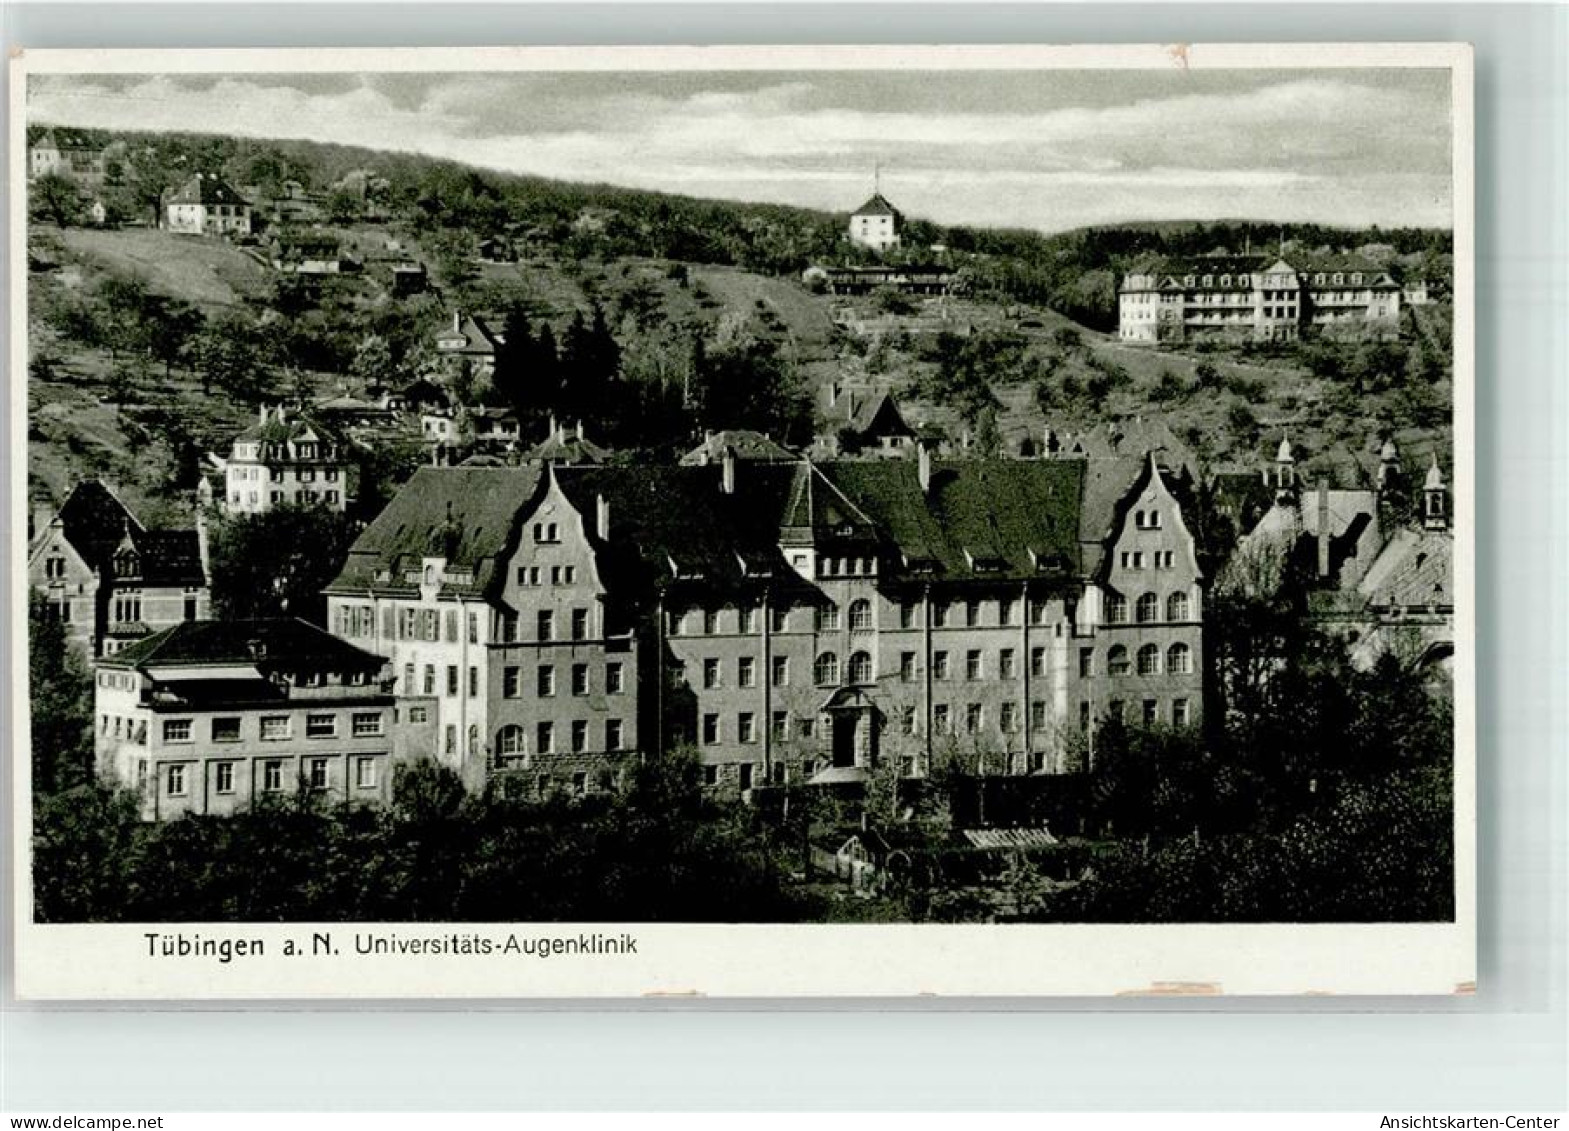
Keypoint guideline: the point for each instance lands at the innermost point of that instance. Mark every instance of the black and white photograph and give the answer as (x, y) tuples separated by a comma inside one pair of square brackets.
[(862, 489)]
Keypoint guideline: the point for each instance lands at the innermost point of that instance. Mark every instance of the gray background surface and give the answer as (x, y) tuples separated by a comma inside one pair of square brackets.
[(1505, 1049)]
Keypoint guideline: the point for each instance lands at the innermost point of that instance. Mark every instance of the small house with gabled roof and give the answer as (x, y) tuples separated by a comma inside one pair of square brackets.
[(207, 205), (876, 224)]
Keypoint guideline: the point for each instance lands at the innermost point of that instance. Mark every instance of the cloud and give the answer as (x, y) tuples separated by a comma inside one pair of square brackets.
[(1051, 155)]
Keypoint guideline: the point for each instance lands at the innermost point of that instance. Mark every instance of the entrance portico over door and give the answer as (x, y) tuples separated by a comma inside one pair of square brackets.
[(854, 726)]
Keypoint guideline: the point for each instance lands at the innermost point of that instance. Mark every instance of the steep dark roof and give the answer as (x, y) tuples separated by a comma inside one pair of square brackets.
[(483, 503), (285, 425), (746, 444), (277, 644), (980, 519), (97, 524), (877, 206), (206, 188)]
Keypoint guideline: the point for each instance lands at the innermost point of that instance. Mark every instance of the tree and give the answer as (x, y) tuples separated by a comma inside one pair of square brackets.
[(60, 697), (277, 563), (373, 365), (56, 198), (229, 354)]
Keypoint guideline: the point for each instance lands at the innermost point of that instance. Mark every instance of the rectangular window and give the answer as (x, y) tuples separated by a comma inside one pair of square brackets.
[(177, 730), (473, 628), (546, 624), (473, 682), (746, 672), (1038, 715), (418, 715), (1037, 661), (321, 726), (365, 773), (1084, 716), (939, 616), (1179, 712), (614, 679), (942, 723), (176, 777), (450, 745), (318, 773), (545, 681), (1005, 666), (710, 622), (1114, 710), (746, 776), (272, 776), (972, 614), (907, 611), (223, 777), (748, 622), (1151, 712), (1007, 717), (1086, 663), (579, 679), (746, 727), (579, 735), (367, 724), (780, 725), (806, 728), (1037, 612), (939, 665), (579, 624), (972, 664), (274, 727), (452, 679), (710, 775), (613, 736), (1004, 612), (452, 626), (430, 679), (907, 720), (579, 784), (710, 673), (545, 738), (226, 729), (779, 619), (974, 718), (511, 682), (781, 672), (906, 667), (710, 729)]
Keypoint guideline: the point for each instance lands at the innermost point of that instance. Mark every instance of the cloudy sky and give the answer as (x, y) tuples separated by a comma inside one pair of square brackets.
[(1042, 149)]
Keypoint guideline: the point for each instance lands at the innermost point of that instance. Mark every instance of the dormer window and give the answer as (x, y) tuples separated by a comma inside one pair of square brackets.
[(1225, 280), (307, 451), (1356, 279), (126, 564), (1339, 279)]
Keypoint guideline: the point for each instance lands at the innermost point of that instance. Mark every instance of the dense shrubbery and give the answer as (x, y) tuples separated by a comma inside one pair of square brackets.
[(657, 852)]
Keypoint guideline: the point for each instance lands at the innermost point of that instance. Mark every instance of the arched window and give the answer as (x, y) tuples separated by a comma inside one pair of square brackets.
[(1179, 659), (509, 741), (1149, 659), (1148, 608), (861, 668), (1116, 609), (825, 671), (860, 616), (1117, 660), (1177, 606)]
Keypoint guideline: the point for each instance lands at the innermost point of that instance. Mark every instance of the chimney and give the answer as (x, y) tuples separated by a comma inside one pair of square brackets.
[(923, 466), (1323, 528), (579, 430), (602, 517), (457, 321), (727, 471), (261, 414)]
